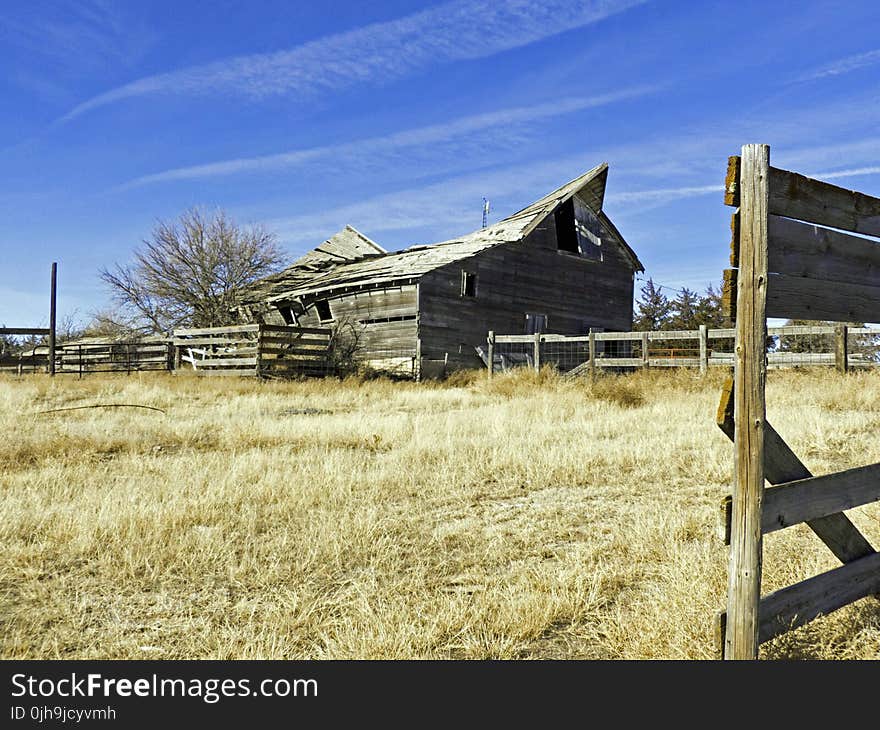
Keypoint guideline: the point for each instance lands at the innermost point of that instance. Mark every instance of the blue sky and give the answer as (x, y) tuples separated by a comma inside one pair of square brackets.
[(399, 117)]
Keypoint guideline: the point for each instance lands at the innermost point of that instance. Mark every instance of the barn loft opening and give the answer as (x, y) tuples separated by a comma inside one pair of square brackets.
[(578, 230), (468, 284), (322, 307)]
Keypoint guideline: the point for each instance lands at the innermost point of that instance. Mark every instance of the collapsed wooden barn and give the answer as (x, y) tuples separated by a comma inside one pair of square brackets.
[(557, 266)]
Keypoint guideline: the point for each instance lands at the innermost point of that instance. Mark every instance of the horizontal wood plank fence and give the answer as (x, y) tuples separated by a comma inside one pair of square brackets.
[(258, 350), (790, 346), (790, 263)]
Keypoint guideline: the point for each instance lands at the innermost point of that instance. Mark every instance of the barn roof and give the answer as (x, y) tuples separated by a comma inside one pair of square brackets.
[(301, 278)]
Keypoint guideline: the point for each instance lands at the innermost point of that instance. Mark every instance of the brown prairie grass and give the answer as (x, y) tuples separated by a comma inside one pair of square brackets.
[(524, 517)]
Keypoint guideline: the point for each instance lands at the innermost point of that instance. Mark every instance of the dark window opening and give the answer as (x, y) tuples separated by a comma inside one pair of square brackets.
[(578, 230), (322, 307), (287, 315), (566, 236), (535, 323), (468, 284)]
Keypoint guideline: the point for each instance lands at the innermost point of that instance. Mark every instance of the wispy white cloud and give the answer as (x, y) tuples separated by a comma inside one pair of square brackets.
[(660, 196), (378, 147), (854, 172), (376, 53), (74, 36), (439, 210), (843, 66)]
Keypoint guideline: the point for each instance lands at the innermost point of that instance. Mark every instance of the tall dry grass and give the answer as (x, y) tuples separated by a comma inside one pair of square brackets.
[(529, 516)]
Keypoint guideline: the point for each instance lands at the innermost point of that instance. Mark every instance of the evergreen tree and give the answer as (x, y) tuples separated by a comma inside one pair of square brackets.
[(652, 308), (684, 311), (709, 310)]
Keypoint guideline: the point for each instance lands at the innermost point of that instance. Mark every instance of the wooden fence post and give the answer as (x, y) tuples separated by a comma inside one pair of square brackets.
[(744, 576), (704, 348), (841, 361), (491, 354), (537, 355), (645, 347), (259, 365), (52, 319), (418, 359), (592, 345), (79, 358)]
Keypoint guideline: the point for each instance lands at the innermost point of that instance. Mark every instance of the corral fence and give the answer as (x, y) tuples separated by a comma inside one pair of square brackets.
[(113, 357), (792, 259), (33, 360), (837, 346), (259, 350)]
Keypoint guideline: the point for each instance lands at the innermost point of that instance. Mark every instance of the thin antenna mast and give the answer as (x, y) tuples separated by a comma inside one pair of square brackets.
[(485, 212)]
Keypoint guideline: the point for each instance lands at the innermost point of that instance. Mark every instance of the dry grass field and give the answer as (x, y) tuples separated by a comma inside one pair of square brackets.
[(527, 517)]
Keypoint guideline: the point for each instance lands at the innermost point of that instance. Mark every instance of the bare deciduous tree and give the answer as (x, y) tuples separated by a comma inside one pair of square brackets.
[(190, 272)]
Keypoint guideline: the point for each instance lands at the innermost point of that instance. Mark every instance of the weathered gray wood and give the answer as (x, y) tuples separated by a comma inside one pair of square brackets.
[(673, 335), (220, 331), (802, 329), (298, 341), (295, 330), (744, 584), (674, 362), (840, 346), (799, 604), (801, 249), (592, 351), (646, 351), (491, 353), (218, 341), (24, 330), (782, 465), (537, 351), (617, 362), (797, 297), (704, 348), (800, 501), (797, 196)]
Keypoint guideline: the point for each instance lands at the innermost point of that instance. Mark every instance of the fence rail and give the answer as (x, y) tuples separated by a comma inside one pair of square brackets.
[(837, 346), (258, 350)]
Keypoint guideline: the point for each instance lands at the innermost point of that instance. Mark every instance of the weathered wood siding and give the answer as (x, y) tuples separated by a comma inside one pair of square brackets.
[(530, 276), (359, 308)]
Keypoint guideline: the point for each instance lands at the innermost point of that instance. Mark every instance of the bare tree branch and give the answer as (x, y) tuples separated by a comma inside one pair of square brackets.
[(191, 270)]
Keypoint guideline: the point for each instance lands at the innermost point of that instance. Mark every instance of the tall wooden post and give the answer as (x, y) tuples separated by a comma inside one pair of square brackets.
[(259, 366), (418, 359), (704, 348), (491, 352), (537, 355), (645, 346), (52, 318), (744, 578), (841, 335), (592, 346)]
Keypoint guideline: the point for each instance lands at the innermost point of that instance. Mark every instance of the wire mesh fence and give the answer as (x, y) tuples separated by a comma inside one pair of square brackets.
[(787, 346)]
